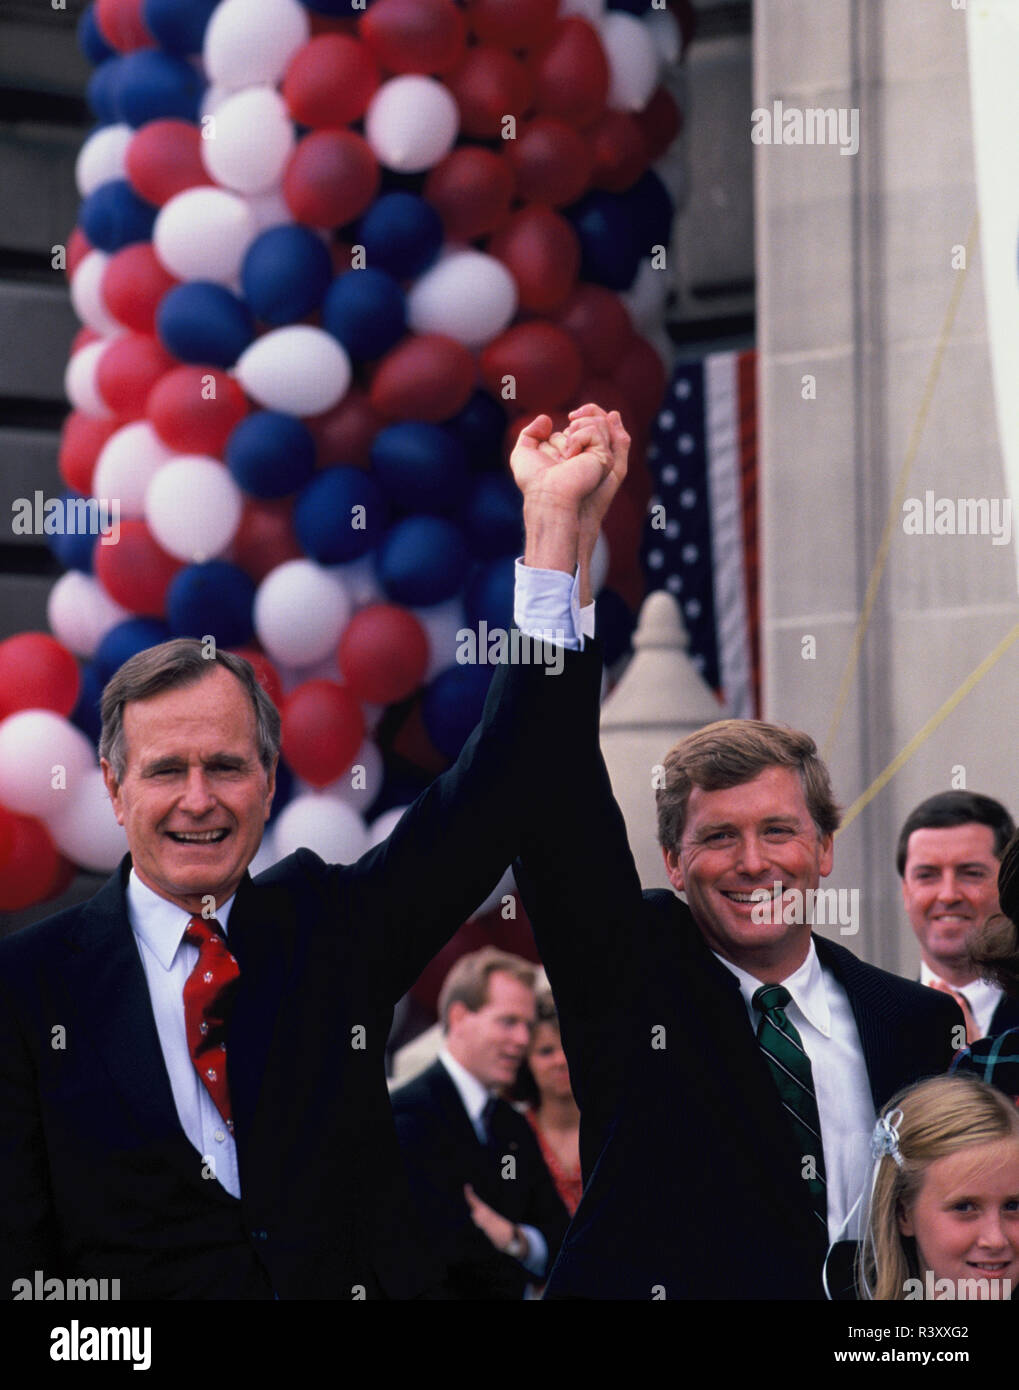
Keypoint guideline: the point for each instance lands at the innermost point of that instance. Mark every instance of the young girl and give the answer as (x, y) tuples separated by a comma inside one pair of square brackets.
[(944, 1210)]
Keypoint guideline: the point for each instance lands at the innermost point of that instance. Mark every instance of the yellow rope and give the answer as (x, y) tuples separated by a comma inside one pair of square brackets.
[(935, 721), (895, 508)]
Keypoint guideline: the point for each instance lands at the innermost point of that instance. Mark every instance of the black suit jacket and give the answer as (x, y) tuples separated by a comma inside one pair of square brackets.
[(442, 1153), (1005, 1016), (96, 1175), (692, 1176)]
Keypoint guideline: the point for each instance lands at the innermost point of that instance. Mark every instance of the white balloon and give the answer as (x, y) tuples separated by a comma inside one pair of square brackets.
[(361, 581), (441, 622), (633, 62), (411, 123), (383, 826), (468, 296), (87, 293), (101, 158), (297, 369), (193, 507), (591, 10), (266, 855), (84, 827), (250, 44), (646, 297), (362, 781), (80, 612), (213, 98), (126, 465), (252, 141), (80, 379), (300, 611), (34, 745), (322, 824), (270, 209), (203, 233), (666, 35), (599, 564)]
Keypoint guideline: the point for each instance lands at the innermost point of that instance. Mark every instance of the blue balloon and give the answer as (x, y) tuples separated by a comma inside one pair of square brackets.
[(493, 519), (421, 466), (328, 526), (489, 595), (366, 311), (202, 322), (480, 427), (330, 7), (453, 704), (651, 208), (75, 546), (90, 38), (153, 85), (102, 90), (400, 233), (611, 245), (113, 216), (422, 560), (125, 640), (85, 715), (215, 598), (285, 274), (179, 25), (614, 624), (270, 454), (631, 6)]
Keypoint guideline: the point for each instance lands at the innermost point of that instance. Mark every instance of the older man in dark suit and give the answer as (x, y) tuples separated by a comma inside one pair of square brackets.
[(192, 1088), (727, 1063)]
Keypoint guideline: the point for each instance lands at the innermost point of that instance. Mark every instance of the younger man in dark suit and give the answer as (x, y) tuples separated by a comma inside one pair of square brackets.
[(484, 1197)]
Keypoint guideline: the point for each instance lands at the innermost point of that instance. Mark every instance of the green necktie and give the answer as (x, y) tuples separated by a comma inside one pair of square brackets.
[(790, 1066)]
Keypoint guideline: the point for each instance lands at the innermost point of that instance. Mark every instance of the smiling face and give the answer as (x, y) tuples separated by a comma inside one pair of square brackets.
[(491, 1041), (950, 888), (740, 841), (965, 1218), (547, 1061), (194, 797)]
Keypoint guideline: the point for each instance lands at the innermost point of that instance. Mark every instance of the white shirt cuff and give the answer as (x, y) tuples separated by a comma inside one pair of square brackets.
[(546, 604)]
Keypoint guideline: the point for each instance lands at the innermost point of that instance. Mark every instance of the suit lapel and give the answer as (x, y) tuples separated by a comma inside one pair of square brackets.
[(873, 1007), (447, 1102)]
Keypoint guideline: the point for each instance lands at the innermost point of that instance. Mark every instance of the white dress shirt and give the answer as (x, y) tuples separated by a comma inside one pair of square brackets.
[(981, 996), (474, 1096), (822, 1015), (168, 960)]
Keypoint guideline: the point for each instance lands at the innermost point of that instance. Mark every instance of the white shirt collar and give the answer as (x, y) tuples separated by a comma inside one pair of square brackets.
[(806, 985), (471, 1091), (979, 994), (161, 923)]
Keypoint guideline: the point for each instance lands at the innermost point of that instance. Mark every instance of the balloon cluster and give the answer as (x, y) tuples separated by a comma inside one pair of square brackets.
[(329, 259)]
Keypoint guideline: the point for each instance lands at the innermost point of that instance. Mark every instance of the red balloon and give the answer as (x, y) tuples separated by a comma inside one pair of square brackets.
[(330, 81), (512, 23), (121, 24), (7, 835), (82, 338), (607, 393), (265, 673), (37, 672), (560, 419), (81, 440), (78, 247), (660, 122), (620, 151), (127, 371), (331, 178), (488, 85), (471, 190), (542, 253), (383, 654), (33, 866), (599, 323), (641, 375), (415, 35), (427, 377), (164, 158), (265, 538), (346, 433), (331, 24), (623, 529), (194, 409), (541, 358), (552, 160), (133, 283), (322, 730), (572, 74), (136, 572)]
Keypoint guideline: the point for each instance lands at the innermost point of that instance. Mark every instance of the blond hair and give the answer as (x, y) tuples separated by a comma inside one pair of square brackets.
[(467, 982), (939, 1117)]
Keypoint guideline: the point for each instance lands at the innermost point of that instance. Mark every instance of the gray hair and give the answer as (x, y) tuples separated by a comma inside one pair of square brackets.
[(169, 666)]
